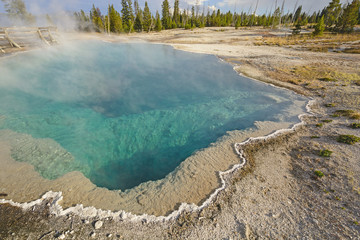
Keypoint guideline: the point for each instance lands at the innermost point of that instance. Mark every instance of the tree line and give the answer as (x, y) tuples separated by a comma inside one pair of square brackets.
[(132, 18), (335, 17)]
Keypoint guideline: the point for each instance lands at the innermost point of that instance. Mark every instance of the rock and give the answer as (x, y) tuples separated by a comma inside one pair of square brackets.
[(92, 234), (98, 224), (109, 235), (122, 215), (62, 236), (276, 215)]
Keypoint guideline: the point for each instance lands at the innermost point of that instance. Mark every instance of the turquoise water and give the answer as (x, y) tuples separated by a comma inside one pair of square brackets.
[(127, 113)]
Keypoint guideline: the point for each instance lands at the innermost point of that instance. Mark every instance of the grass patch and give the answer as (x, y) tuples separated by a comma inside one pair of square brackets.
[(319, 174), (325, 153), (355, 116), (316, 74), (327, 120), (327, 40), (319, 125), (318, 49), (295, 82), (348, 139), (327, 79), (335, 115), (312, 137), (330, 105), (321, 74), (355, 125), (348, 113), (352, 50)]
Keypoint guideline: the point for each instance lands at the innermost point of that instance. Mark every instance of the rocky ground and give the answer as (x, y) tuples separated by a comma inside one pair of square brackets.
[(288, 188)]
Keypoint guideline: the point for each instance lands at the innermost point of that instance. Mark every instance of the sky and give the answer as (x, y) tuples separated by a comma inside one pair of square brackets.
[(264, 6)]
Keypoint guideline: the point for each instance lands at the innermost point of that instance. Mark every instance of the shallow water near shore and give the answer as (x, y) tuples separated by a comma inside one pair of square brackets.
[(127, 113)]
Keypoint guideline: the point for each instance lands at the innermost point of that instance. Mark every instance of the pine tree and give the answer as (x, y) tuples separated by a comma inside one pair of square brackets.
[(83, 21), (158, 25), (276, 18), (99, 24), (115, 20), (176, 15), (218, 19), (297, 14), (192, 21), (138, 26), (202, 21), (320, 27), (16, 9), (147, 19), (84, 17), (237, 22), (348, 18), (262, 21), (184, 18), (332, 13), (136, 7), (96, 19), (312, 19), (127, 16), (165, 20)]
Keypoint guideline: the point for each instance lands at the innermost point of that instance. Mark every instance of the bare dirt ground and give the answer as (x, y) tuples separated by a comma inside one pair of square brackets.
[(278, 195)]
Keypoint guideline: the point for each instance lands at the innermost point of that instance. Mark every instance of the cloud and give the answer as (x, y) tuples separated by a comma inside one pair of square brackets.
[(232, 3), (228, 3), (212, 8), (195, 2), (269, 5)]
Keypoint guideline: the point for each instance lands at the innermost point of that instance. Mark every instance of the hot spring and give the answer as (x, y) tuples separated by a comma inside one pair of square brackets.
[(127, 113)]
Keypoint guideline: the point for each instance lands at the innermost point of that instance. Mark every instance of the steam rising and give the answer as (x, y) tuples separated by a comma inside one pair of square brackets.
[(43, 13)]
